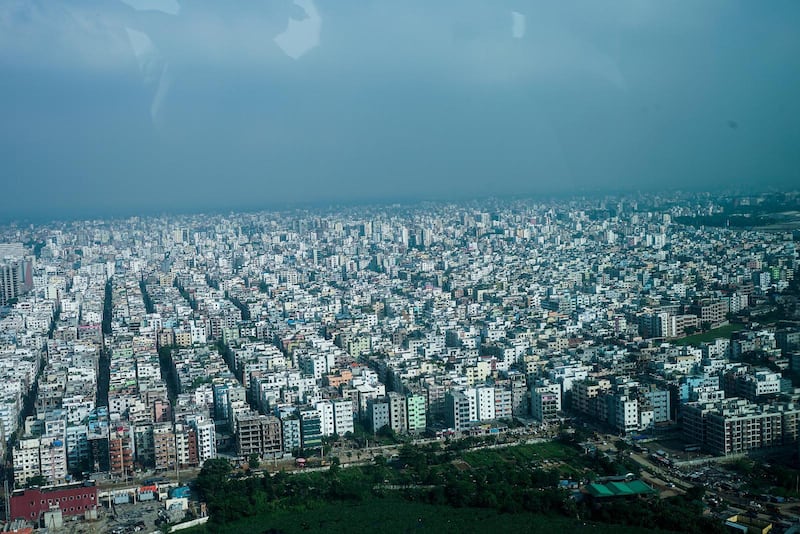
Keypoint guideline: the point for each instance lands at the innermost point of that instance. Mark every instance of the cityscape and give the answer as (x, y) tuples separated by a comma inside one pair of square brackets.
[(137, 351), (345, 266)]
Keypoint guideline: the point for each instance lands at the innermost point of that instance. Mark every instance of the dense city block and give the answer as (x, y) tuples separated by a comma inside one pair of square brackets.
[(147, 348)]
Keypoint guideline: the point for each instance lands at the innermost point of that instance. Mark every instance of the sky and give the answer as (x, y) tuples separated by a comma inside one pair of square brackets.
[(117, 107)]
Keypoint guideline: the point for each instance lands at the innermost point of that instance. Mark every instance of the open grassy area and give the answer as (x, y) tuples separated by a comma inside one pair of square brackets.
[(711, 335), (392, 515), (468, 491), (550, 455), (524, 455)]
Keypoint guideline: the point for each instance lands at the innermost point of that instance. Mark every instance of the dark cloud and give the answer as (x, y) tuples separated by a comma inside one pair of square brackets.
[(144, 105)]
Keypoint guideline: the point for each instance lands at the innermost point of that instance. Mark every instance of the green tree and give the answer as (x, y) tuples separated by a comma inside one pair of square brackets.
[(213, 476), (252, 461), (38, 480), (335, 464), (413, 459)]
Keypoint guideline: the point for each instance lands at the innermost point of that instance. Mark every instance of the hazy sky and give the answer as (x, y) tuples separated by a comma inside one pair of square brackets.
[(111, 106)]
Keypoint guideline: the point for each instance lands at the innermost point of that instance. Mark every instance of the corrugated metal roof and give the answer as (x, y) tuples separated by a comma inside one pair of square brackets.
[(615, 489)]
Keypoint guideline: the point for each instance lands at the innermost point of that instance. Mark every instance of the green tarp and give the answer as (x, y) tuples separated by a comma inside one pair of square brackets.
[(619, 489)]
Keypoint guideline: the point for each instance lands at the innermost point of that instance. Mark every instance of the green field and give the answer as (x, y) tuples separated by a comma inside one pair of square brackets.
[(391, 515), (525, 455), (711, 335), (436, 491)]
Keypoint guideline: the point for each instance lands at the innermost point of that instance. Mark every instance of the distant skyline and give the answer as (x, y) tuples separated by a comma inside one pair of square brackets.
[(114, 107)]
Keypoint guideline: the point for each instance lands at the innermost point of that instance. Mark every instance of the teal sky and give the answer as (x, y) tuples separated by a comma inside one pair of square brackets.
[(135, 106)]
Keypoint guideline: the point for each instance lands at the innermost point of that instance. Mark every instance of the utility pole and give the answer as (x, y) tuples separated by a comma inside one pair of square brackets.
[(7, 499)]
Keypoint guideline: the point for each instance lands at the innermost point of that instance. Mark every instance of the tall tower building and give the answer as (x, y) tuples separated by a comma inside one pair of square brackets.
[(10, 281)]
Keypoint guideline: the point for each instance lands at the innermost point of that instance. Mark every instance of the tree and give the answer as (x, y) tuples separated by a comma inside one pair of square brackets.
[(213, 475), (38, 480), (335, 465), (387, 432), (252, 461), (413, 458), (695, 493)]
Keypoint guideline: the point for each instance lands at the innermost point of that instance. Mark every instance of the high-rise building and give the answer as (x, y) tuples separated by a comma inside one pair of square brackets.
[(290, 426), (15, 272), (206, 440), (484, 403), (121, 450), (343, 416), (378, 413), (78, 452), (53, 459), (397, 412), (143, 445), (624, 413), (325, 409), (458, 410), (415, 410), (164, 445), (26, 460), (545, 401), (709, 311), (10, 281), (311, 428), (259, 435), (735, 425)]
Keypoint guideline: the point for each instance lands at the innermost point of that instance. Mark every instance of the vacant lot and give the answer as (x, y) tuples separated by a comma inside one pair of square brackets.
[(711, 335)]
